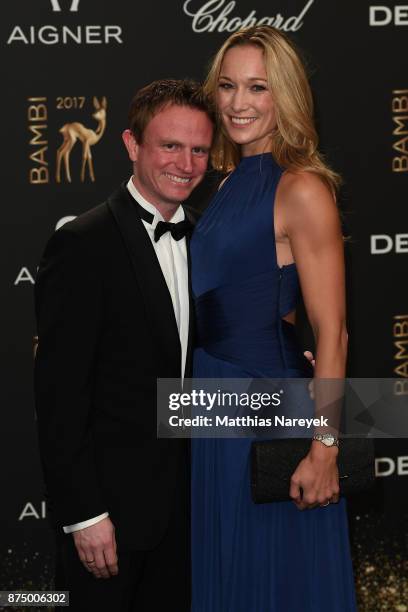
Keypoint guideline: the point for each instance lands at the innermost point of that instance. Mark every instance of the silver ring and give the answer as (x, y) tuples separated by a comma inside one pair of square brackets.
[(89, 562), (326, 504)]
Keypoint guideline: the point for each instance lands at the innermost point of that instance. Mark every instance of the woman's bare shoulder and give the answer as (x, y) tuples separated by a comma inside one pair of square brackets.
[(303, 187), (304, 196)]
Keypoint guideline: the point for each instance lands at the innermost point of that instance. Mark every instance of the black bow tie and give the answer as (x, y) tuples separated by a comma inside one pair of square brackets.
[(177, 230)]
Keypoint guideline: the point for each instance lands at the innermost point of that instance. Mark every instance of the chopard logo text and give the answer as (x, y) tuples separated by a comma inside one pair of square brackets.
[(214, 16)]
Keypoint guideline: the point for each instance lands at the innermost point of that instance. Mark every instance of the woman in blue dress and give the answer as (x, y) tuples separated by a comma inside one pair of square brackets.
[(272, 228)]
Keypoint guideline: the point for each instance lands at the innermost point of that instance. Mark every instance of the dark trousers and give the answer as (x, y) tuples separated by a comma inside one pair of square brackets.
[(158, 579)]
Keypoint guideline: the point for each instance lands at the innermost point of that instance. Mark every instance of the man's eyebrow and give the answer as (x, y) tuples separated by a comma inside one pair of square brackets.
[(177, 142), (169, 140)]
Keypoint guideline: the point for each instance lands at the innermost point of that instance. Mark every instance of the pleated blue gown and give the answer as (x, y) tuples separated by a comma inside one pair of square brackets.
[(248, 557)]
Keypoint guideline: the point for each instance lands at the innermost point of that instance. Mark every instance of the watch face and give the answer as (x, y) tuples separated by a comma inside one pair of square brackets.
[(328, 439)]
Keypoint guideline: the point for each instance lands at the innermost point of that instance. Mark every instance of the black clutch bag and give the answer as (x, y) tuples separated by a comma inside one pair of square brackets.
[(274, 461)]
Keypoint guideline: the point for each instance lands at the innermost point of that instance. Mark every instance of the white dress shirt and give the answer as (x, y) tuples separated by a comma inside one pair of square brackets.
[(172, 256)]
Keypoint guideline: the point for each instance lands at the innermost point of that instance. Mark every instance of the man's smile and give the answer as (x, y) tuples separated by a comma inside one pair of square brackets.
[(178, 179)]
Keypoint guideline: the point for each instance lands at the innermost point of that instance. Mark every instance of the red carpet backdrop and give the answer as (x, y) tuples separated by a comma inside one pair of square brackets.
[(69, 70)]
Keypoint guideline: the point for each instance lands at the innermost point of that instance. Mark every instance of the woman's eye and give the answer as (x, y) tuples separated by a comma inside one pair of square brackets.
[(170, 146), (224, 85), (258, 88)]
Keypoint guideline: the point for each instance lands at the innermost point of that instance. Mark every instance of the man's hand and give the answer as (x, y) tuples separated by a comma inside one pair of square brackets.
[(96, 546), (310, 357)]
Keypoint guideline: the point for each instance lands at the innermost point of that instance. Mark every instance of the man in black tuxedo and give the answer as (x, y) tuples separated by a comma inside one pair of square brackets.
[(113, 312)]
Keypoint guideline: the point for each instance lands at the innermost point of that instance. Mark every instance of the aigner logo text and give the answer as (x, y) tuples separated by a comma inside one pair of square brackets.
[(214, 16), (61, 34), (56, 5)]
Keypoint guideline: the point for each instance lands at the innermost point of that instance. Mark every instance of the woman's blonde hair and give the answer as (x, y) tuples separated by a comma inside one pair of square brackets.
[(295, 140)]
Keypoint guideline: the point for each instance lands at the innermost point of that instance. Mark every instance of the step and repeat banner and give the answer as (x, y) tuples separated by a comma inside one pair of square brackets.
[(69, 71)]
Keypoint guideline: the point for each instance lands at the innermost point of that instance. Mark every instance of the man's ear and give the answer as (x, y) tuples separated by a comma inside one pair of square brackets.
[(131, 145)]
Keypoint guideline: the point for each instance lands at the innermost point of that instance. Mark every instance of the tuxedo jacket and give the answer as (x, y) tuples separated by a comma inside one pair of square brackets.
[(107, 331)]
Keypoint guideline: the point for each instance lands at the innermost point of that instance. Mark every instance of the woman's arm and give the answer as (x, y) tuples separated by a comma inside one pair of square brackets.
[(310, 220)]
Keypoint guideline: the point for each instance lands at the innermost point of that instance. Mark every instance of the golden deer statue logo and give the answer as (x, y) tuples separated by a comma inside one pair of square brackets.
[(72, 132)]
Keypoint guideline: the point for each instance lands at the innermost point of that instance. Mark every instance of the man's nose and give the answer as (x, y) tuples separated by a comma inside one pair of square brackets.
[(185, 161)]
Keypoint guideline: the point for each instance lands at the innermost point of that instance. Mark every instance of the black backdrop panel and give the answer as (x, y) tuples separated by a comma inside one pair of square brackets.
[(60, 59)]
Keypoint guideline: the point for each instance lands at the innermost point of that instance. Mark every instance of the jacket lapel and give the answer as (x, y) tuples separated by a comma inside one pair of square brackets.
[(150, 280)]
